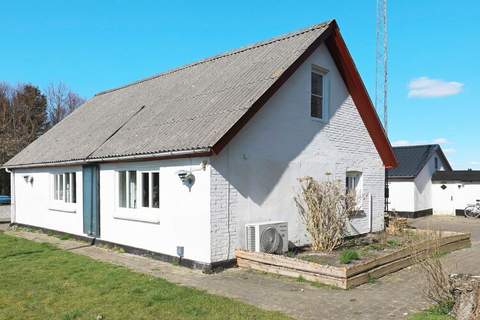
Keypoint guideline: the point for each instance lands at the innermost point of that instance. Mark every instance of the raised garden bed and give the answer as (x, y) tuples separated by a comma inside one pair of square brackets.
[(328, 270)]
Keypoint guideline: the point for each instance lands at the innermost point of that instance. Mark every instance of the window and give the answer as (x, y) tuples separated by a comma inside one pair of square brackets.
[(436, 163), (65, 187), (353, 181), (127, 189), (319, 94), (132, 189), (148, 191), (354, 185)]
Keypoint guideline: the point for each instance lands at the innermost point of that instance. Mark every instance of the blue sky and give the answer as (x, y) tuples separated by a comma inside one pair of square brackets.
[(434, 47)]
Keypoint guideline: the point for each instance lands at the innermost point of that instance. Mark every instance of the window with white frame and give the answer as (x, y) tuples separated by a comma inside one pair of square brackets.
[(127, 189), (353, 184), (65, 187), (319, 94), (148, 190)]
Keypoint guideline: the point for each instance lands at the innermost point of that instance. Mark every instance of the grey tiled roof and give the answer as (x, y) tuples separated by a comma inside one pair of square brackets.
[(189, 108), (411, 159), (457, 175)]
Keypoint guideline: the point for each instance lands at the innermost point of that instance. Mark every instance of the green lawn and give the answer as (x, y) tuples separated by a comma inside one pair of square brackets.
[(39, 281), (433, 313)]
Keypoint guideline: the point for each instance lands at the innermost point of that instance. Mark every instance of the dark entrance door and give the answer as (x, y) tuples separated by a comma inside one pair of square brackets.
[(91, 200)]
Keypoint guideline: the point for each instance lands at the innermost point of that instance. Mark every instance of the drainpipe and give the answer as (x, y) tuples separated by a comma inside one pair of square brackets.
[(12, 195)]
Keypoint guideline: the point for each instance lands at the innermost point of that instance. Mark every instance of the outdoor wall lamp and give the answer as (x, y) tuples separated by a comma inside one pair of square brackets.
[(28, 179)]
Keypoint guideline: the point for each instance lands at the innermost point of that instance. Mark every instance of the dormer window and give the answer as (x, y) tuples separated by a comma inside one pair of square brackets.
[(319, 94)]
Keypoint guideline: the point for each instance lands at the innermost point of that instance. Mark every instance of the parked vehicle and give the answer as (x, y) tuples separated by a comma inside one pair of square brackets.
[(473, 210), (4, 199)]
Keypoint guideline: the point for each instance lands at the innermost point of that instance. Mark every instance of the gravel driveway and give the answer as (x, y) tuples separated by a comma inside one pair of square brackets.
[(4, 213)]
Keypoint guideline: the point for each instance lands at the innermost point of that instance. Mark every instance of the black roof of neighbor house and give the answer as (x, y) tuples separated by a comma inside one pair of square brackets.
[(411, 160), (457, 175)]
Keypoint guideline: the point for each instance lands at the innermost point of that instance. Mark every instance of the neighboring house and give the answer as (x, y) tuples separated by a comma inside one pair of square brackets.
[(184, 159), (410, 183), (454, 190)]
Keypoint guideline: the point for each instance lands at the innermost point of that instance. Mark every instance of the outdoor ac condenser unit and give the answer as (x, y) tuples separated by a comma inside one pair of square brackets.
[(269, 237)]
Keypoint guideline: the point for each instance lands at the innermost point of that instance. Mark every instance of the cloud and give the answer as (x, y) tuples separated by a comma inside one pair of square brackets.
[(424, 87), (475, 163), (440, 141), (449, 150), (403, 143)]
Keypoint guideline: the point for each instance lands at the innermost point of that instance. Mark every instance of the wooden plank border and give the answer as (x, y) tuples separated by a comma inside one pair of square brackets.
[(349, 277)]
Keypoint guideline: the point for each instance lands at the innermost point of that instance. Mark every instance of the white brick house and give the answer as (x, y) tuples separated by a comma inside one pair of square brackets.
[(246, 124)]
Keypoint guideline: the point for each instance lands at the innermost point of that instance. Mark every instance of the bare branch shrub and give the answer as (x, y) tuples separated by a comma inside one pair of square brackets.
[(324, 207), (437, 285)]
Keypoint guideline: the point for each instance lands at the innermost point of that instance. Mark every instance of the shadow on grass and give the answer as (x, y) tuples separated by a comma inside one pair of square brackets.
[(25, 253)]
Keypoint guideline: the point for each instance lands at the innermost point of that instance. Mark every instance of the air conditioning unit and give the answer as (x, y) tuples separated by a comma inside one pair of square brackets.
[(269, 237)]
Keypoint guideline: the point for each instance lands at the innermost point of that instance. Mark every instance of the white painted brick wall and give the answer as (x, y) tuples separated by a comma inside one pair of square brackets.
[(260, 167), (357, 152), (224, 223)]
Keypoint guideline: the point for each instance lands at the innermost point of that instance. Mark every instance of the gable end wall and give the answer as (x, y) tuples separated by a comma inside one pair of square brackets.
[(255, 177)]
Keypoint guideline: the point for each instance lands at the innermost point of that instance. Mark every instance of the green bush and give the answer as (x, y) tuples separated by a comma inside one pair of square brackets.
[(392, 243), (348, 255)]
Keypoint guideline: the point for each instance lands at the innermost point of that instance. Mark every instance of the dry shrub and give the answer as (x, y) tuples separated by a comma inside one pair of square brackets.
[(324, 207), (437, 285), (396, 224)]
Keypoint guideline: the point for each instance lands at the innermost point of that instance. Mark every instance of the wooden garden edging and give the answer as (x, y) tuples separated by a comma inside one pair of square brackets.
[(346, 277)]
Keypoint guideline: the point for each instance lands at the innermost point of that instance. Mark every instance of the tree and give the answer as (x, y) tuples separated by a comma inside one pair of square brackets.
[(61, 102), (26, 113), (23, 118)]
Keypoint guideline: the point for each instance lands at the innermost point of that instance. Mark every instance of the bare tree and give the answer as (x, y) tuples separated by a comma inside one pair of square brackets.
[(61, 102), (23, 118)]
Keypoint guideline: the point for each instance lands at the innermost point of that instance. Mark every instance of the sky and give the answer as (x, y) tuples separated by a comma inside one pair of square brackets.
[(434, 51)]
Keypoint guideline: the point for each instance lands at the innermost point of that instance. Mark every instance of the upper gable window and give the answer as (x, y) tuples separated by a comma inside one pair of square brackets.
[(436, 163), (319, 94)]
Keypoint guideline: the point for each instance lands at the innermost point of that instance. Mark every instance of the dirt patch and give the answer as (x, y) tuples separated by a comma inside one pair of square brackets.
[(363, 248)]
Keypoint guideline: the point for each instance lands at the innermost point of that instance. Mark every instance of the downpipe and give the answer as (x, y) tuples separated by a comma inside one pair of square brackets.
[(13, 211)]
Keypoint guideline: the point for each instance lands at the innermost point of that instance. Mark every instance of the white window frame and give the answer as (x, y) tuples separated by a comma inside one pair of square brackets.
[(139, 213), (65, 203), (325, 93), (150, 189), (357, 178), (128, 204)]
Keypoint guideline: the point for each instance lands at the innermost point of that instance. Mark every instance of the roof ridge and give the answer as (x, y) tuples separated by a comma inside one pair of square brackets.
[(223, 55)]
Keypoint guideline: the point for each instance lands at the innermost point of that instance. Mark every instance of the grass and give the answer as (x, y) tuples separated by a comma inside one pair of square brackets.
[(438, 312), (39, 281), (392, 243), (348, 255)]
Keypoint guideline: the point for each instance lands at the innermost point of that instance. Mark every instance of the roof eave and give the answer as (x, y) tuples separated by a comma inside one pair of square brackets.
[(202, 152), (345, 64), (358, 91)]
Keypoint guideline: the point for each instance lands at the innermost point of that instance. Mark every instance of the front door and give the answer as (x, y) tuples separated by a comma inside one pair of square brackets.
[(91, 200)]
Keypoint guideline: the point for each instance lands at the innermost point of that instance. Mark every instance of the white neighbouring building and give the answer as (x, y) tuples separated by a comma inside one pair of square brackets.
[(452, 191), (410, 183), (245, 124)]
